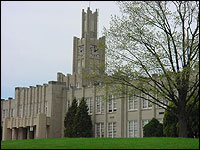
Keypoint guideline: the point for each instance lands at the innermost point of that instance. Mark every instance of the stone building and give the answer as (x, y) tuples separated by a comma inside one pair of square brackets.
[(39, 111)]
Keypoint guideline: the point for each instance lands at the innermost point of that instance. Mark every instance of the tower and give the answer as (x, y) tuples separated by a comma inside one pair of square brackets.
[(89, 50)]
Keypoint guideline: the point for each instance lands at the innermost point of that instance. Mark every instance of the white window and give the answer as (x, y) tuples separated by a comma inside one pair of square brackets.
[(112, 103), (100, 129), (133, 128), (144, 122), (132, 103), (146, 104), (112, 129), (100, 104), (89, 104)]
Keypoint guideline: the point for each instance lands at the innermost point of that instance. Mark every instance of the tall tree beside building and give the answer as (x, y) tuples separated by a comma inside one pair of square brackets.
[(82, 125), (171, 126), (154, 48), (69, 118)]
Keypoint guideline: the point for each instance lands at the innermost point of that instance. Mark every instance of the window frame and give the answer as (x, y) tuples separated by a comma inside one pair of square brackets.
[(100, 131), (112, 103), (89, 104), (135, 130), (113, 127), (134, 103)]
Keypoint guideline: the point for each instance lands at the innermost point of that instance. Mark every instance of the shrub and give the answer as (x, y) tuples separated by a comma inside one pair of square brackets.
[(153, 129)]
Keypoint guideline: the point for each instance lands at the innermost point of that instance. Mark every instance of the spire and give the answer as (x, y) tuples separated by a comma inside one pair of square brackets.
[(89, 23)]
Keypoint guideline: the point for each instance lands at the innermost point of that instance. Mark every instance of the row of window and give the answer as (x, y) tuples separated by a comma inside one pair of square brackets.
[(28, 111), (5, 113), (112, 128), (112, 104)]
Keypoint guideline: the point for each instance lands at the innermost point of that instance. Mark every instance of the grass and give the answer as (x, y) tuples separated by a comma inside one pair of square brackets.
[(103, 143)]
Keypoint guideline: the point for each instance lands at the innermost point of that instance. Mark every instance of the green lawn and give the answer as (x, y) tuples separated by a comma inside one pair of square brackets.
[(103, 143)]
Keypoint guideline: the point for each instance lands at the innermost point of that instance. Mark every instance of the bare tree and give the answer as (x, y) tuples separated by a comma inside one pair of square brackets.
[(154, 48)]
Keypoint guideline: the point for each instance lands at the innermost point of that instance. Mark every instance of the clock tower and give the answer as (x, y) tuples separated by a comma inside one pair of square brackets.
[(89, 50)]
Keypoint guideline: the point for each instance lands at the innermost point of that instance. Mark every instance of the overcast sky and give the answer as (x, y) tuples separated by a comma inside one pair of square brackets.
[(36, 39)]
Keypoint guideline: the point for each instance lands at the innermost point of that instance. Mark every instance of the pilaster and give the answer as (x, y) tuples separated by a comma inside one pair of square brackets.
[(41, 126)]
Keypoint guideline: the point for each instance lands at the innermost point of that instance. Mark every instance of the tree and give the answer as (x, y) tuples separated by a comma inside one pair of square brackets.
[(170, 123), (69, 118), (153, 129), (154, 49), (82, 125)]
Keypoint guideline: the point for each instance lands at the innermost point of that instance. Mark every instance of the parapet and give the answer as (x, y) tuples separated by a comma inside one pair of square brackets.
[(56, 82), (60, 77), (10, 98)]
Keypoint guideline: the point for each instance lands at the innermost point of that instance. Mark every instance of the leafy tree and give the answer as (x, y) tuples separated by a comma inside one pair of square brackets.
[(82, 125), (69, 118), (193, 122), (153, 129), (171, 126), (154, 49)]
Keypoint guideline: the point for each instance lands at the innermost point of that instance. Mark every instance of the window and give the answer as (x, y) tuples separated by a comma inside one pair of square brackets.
[(100, 129), (133, 128), (112, 129), (99, 104), (89, 104), (112, 106), (144, 122), (146, 104), (132, 103)]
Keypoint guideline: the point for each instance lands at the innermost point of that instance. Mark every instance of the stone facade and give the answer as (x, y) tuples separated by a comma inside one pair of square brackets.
[(39, 111)]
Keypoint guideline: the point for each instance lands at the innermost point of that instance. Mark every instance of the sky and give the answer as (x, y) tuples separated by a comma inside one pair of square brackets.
[(37, 39)]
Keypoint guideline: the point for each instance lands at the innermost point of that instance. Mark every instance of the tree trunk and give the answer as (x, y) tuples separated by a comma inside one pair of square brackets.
[(182, 120)]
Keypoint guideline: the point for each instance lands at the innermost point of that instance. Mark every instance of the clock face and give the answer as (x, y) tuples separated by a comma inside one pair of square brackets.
[(94, 50)]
